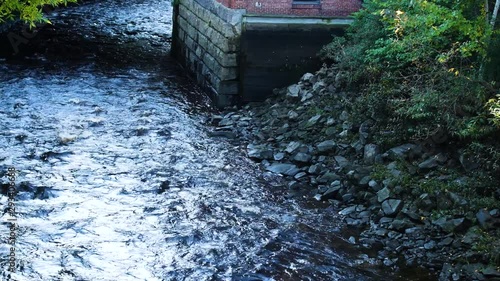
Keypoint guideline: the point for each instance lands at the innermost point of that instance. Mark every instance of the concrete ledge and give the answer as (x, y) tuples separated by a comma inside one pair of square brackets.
[(252, 21)]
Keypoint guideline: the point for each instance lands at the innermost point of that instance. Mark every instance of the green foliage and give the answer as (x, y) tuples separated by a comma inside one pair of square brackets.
[(28, 11), (418, 67)]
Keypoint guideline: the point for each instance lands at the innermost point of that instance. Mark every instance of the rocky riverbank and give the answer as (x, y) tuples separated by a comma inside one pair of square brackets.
[(413, 203)]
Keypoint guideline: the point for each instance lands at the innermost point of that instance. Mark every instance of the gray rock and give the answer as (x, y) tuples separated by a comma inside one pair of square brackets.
[(306, 96), (222, 134), (425, 202), (328, 177), (392, 206), (383, 194), (302, 157), (330, 193), (453, 225), (326, 146), (284, 169), (314, 169), (364, 130), (347, 211), (293, 91), (400, 152), (364, 181), (352, 240), (307, 77), (401, 225), (373, 184), (483, 218), (300, 175), (259, 152), (279, 156), (344, 116), (430, 245), (292, 146), (342, 162), (428, 164), (292, 115), (313, 120), (370, 152)]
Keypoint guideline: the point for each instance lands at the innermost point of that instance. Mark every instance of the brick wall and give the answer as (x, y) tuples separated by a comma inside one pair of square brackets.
[(329, 8)]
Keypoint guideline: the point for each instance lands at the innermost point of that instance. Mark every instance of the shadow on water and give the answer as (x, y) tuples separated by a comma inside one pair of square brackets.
[(119, 180)]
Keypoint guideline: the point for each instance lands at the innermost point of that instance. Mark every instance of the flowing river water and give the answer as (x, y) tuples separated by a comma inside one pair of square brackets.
[(118, 177)]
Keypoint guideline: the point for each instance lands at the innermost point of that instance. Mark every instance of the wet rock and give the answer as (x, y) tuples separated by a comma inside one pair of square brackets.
[(293, 91), (344, 116), (314, 169), (401, 224), (391, 207), (328, 177), (300, 175), (284, 169), (400, 152), (302, 157), (164, 186), (383, 194), (430, 245), (313, 121), (425, 202), (428, 164), (374, 185), (308, 77), (292, 115), (222, 134), (306, 96), (326, 146), (259, 152), (292, 147), (452, 225), (331, 192), (352, 240), (370, 153), (483, 218), (445, 242), (347, 211), (279, 156), (342, 162)]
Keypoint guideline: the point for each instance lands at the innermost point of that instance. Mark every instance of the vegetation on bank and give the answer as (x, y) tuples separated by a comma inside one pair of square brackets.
[(429, 72), (30, 12)]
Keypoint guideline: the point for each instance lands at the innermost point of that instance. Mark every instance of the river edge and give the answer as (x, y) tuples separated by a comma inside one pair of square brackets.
[(409, 202)]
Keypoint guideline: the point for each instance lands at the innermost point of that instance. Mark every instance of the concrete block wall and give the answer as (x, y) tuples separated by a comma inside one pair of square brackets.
[(207, 42), (323, 8)]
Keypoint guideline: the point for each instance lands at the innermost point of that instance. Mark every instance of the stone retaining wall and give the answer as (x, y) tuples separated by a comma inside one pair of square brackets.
[(206, 36)]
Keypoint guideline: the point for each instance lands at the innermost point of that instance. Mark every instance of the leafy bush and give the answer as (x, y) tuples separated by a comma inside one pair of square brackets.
[(419, 68), (27, 11)]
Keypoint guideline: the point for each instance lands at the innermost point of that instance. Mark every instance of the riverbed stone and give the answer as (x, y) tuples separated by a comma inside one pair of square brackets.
[(292, 147), (428, 164), (259, 152), (383, 194), (326, 146), (302, 157), (314, 169), (370, 153), (328, 177), (293, 91), (282, 168), (392, 206)]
